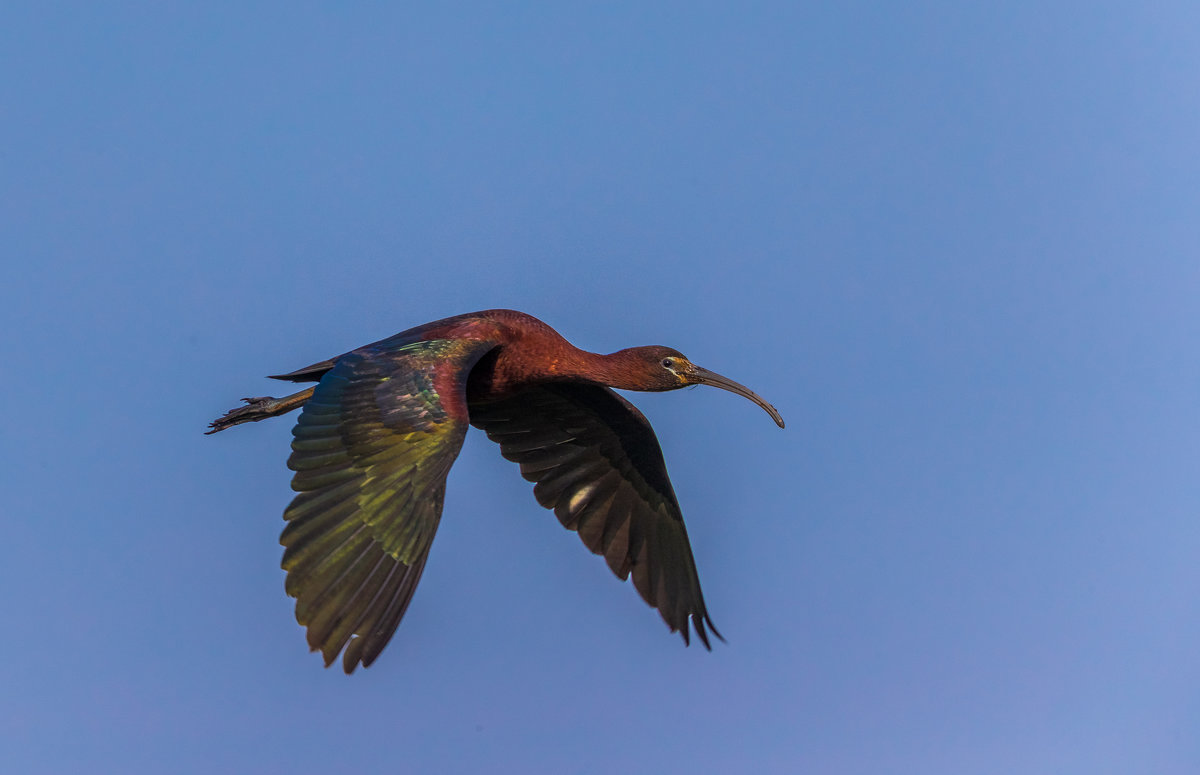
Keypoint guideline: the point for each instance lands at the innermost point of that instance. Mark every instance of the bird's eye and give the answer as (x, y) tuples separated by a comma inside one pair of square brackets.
[(668, 363)]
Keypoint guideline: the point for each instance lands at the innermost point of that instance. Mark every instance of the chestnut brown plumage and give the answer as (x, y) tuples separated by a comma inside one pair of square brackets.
[(379, 432)]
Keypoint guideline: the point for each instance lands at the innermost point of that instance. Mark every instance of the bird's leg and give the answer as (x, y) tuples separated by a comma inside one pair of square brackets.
[(259, 409)]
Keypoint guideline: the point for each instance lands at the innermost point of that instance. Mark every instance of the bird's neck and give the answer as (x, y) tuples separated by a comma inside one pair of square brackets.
[(512, 368), (620, 370)]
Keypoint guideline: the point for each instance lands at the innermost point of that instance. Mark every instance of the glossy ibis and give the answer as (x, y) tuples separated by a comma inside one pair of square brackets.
[(380, 430)]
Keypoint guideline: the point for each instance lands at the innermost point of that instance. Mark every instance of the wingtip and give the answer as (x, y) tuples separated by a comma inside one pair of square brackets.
[(712, 628), (703, 627)]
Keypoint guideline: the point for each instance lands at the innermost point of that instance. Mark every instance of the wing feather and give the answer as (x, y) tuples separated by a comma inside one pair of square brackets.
[(370, 452), (596, 463)]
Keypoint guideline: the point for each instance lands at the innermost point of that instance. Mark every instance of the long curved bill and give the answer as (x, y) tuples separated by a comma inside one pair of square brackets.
[(701, 376)]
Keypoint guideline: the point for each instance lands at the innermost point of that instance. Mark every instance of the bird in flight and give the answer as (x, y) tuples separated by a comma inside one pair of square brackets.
[(379, 431)]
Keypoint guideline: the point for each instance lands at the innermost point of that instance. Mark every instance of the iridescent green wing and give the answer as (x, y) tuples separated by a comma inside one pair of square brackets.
[(371, 452), (597, 464)]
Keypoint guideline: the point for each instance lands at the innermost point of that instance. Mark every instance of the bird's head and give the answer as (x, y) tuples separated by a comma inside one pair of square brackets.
[(657, 368)]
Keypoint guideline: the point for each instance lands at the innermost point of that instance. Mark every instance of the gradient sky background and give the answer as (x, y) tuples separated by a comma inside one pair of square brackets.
[(955, 245)]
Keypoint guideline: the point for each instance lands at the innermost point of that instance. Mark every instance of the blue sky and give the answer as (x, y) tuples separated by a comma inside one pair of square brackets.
[(955, 245)]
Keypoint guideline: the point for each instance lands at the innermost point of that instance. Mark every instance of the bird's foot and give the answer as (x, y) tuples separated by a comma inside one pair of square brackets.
[(256, 409), (259, 408)]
